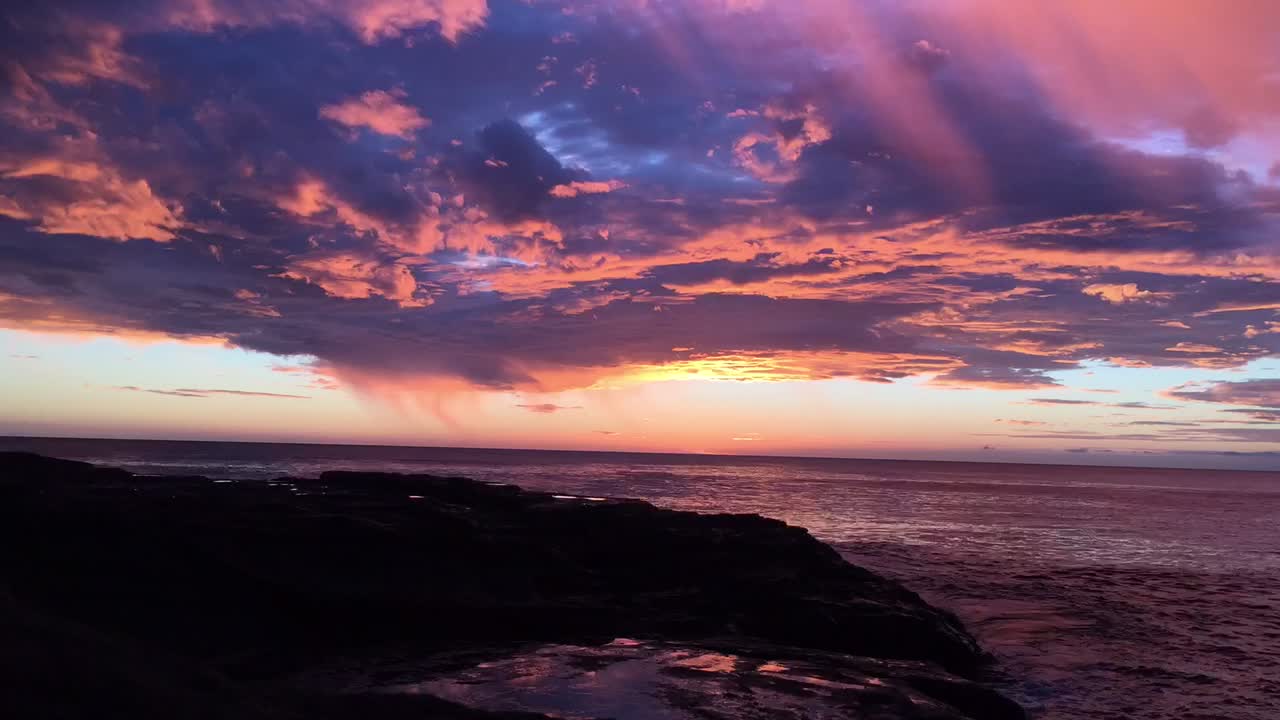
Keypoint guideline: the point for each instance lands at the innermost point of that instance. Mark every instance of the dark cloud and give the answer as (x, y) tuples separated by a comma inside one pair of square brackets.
[(1137, 405), (762, 267), (510, 172), (1130, 405), (1260, 393), (1268, 415), (1193, 433), (1062, 401), (996, 376)]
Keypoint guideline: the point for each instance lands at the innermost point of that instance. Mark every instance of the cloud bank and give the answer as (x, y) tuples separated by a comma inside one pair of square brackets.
[(544, 195)]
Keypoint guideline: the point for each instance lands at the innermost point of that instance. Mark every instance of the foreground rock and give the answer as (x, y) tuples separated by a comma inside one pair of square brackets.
[(245, 599)]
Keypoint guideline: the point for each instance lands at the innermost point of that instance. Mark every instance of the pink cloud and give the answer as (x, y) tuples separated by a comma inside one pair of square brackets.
[(380, 111), (96, 53), (373, 20), (786, 147)]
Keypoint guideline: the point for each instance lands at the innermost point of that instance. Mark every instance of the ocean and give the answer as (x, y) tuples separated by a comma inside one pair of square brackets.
[(1103, 592)]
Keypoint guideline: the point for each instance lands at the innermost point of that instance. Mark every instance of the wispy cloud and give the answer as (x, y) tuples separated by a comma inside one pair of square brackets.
[(205, 392), (1259, 392), (546, 408)]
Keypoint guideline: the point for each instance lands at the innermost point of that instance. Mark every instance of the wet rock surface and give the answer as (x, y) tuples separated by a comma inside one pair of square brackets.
[(233, 597)]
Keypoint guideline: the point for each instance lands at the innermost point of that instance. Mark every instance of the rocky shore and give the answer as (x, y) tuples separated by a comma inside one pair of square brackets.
[(366, 595)]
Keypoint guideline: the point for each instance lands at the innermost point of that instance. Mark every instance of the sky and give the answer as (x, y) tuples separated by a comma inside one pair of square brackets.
[(956, 229)]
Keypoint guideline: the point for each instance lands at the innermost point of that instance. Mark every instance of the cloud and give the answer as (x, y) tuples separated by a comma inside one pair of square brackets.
[(510, 171), (1128, 292), (1189, 433), (586, 187), (204, 393), (547, 408), (372, 20), (1261, 392), (89, 52), (1141, 406), (1062, 401), (1263, 414), (912, 198), (353, 276), (771, 155), (997, 378), (1128, 405), (1268, 327), (380, 111), (927, 55), (116, 209), (66, 194), (1240, 307)]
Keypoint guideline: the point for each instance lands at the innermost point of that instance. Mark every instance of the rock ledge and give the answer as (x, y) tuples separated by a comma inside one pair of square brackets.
[(219, 595)]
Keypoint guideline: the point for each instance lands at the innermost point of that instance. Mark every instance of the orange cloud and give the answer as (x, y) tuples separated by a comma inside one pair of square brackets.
[(1240, 307), (349, 276), (46, 318), (586, 187), (104, 204), (1120, 293), (122, 211), (312, 198)]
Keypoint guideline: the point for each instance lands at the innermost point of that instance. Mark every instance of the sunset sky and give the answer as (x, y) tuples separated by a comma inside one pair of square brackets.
[(968, 229)]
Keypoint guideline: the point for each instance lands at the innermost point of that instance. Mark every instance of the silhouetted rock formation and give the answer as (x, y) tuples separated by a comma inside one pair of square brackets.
[(202, 598)]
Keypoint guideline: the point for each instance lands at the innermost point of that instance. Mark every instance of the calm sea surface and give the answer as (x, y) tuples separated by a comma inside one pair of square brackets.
[(1104, 592)]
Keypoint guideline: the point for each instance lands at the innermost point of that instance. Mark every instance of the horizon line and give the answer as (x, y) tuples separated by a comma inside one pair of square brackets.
[(630, 452)]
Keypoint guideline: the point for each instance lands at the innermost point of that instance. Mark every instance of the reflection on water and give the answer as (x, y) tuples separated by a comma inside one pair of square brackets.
[(1105, 592), (634, 680)]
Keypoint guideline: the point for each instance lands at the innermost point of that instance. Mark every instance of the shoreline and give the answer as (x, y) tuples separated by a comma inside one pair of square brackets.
[(257, 583)]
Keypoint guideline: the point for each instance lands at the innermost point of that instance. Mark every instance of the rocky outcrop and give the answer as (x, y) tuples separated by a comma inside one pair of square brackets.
[(254, 583)]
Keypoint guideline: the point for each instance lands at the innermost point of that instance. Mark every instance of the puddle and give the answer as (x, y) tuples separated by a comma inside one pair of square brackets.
[(630, 679)]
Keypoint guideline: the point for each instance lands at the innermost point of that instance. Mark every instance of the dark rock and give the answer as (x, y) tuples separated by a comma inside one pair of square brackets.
[(256, 582)]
